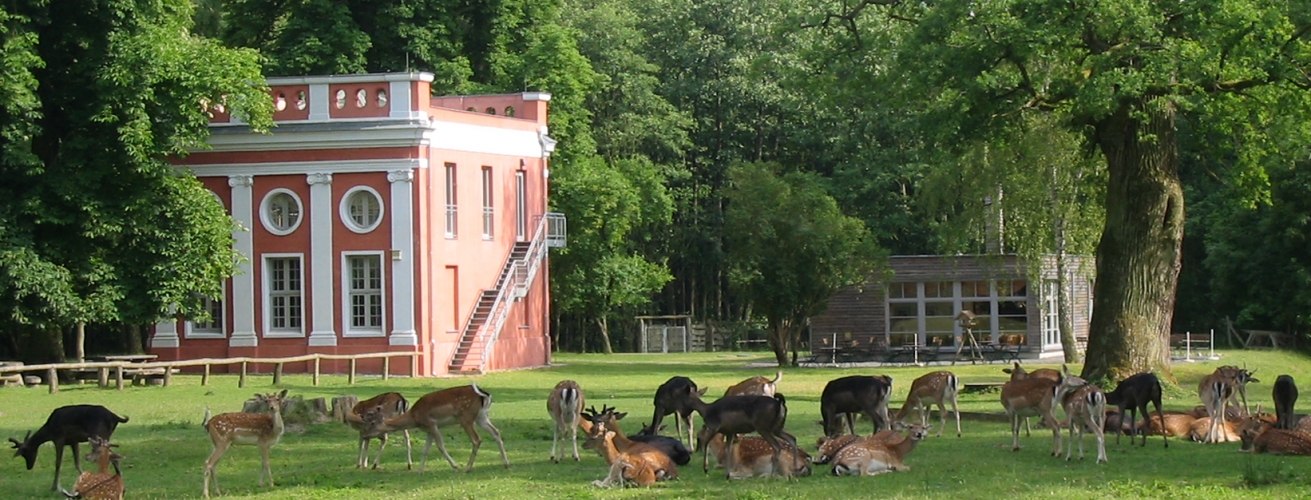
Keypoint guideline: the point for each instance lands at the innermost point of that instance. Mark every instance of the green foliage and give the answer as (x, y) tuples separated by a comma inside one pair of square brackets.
[(95, 224), (790, 247)]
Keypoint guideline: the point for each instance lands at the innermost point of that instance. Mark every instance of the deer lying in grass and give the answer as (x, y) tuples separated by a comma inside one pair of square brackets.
[(385, 406), (828, 446), (753, 457), (1017, 372), (756, 386), (734, 415), (630, 461), (667, 445), (1085, 405), (100, 485), (1030, 397), (868, 457), (1262, 437), (68, 426), (565, 406), (932, 388), (227, 429), (465, 405), (1175, 424)]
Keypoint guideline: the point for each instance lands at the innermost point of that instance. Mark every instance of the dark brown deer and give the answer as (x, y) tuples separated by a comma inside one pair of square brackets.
[(68, 426), (1285, 394), (851, 395), (735, 415), (675, 396), (1132, 395)]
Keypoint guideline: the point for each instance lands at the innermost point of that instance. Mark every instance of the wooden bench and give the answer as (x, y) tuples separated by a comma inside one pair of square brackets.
[(149, 376), (1193, 345)]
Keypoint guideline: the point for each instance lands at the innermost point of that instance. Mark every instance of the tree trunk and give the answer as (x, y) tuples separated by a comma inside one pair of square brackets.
[(80, 342), (40, 345), (605, 335), (1139, 254), (132, 341), (778, 340)]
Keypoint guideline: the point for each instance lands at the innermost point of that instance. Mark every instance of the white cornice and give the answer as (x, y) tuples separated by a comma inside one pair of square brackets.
[(306, 167), (451, 136), (366, 78)]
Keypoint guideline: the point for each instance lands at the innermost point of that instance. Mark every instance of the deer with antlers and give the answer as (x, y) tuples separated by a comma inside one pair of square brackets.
[(1259, 436), (100, 485), (755, 386), (465, 405), (1034, 397), (1085, 405), (565, 406), (259, 429), (630, 461), (938, 388), (384, 405)]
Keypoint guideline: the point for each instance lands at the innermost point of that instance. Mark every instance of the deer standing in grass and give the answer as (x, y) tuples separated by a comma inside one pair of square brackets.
[(1132, 395), (1030, 397), (566, 408), (630, 461), (1085, 406), (384, 405), (1215, 390), (258, 429), (938, 388), (465, 405), (100, 485), (1017, 372), (756, 386)]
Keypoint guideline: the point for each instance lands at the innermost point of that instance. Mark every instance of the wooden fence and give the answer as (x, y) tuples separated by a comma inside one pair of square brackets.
[(165, 369)]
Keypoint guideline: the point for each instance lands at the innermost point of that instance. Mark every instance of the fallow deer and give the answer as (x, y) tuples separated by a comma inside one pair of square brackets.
[(753, 457), (67, 426), (465, 405), (385, 406), (100, 485), (630, 461), (1262, 437), (259, 429), (566, 408), (932, 388), (1018, 372), (1213, 430), (1133, 394), (829, 446), (756, 386), (1215, 390), (1285, 396), (608, 416), (1178, 425), (733, 415), (675, 396), (854, 394), (868, 457), (1029, 397), (1085, 405)]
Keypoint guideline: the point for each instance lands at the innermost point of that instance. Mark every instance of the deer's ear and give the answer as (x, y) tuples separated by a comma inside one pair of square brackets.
[(620, 416), (282, 394), (703, 390)]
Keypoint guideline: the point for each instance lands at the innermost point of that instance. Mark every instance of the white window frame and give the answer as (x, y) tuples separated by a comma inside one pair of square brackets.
[(268, 222), (521, 202), (266, 294), (345, 210), (452, 202), (194, 332), (346, 319), (1051, 320), (489, 209)]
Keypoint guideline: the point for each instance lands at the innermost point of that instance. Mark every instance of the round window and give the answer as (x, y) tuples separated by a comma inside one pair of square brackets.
[(281, 212), (361, 209)]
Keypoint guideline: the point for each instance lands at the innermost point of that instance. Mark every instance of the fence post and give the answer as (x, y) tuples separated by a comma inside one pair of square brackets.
[(102, 377), (350, 378), (277, 374), (386, 367), (1188, 346), (414, 365), (1212, 352), (204, 377), (168, 375), (53, 379), (316, 370), (241, 382), (118, 376)]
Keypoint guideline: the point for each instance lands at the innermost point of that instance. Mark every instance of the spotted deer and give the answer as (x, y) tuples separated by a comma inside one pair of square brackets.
[(755, 386), (1034, 397), (258, 429), (1169, 424), (465, 405), (1262, 437), (384, 406), (938, 388), (868, 457), (753, 457), (1215, 390), (1018, 372), (1085, 405), (828, 446), (630, 461), (565, 405), (99, 485)]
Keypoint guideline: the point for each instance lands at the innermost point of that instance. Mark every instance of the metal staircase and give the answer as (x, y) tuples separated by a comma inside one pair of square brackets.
[(479, 335)]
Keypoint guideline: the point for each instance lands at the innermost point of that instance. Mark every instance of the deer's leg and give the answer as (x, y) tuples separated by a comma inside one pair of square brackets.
[(377, 461), (1015, 431), (59, 461), (728, 455), (555, 438), (1070, 448), (409, 459), (955, 409), (486, 424), (220, 448), (1027, 433), (435, 434), (1050, 420), (573, 437), (264, 457), (362, 456)]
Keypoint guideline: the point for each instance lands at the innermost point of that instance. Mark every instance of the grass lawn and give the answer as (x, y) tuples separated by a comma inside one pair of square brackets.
[(165, 446)]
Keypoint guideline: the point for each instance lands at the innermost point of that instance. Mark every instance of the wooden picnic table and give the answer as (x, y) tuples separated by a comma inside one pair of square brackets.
[(130, 358)]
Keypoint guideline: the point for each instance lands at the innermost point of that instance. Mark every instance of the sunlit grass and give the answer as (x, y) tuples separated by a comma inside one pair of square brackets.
[(165, 445)]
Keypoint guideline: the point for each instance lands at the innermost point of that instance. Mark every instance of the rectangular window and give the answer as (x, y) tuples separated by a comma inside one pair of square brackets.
[(284, 303), (1051, 326), (450, 201), (487, 203), (1012, 312), (521, 202), (211, 328), (364, 286), (902, 291)]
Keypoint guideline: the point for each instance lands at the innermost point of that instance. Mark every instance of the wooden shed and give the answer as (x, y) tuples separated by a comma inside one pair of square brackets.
[(1014, 305)]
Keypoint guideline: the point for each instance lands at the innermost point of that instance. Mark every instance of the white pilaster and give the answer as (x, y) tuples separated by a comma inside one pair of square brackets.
[(400, 101), (243, 284), (402, 258), (321, 321), (319, 101), (166, 334)]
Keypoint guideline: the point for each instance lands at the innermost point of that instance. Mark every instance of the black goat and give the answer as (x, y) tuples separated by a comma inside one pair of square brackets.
[(1285, 394), (1133, 394), (674, 396), (733, 415), (68, 426), (855, 394)]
